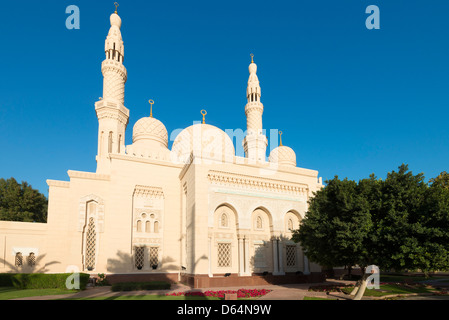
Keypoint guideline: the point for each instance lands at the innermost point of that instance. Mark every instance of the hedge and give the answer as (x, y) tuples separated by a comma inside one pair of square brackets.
[(137, 286), (40, 281)]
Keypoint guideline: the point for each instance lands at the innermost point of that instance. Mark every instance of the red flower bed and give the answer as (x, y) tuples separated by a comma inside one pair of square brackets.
[(241, 293)]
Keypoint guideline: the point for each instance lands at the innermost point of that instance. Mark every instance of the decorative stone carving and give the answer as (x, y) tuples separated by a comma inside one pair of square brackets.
[(255, 183)]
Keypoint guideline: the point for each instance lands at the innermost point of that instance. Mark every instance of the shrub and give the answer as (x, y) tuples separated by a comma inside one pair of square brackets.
[(137, 286), (40, 281), (6, 279)]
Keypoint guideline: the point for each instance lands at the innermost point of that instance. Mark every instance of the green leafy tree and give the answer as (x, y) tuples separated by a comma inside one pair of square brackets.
[(337, 226), (22, 203), (398, 223), (442, 180)]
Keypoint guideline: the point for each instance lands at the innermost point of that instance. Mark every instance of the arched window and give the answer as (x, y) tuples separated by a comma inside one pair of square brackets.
[(224, 223), (110, 142), (259, 222), (290, 225), (148, 227), (156, 227), (139, 226)]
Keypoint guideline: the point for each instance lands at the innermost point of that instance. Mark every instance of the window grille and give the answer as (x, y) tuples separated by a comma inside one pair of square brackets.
[(224, 255), (31, 260), (19, 259), (139, 257), (91, 242), (154, 257), (259, 256), (291, 256)]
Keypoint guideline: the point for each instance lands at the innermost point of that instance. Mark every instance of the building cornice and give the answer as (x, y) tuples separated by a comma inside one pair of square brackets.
[(59, 184), (242, 181), (88, 175)]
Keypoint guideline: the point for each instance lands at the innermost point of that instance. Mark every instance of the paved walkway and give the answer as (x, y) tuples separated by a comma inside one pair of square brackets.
[(278, 292)]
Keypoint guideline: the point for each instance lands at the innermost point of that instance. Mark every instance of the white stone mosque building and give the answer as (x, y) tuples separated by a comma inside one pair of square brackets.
[(196, 213)]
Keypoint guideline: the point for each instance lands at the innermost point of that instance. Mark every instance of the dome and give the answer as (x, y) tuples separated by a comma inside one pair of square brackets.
[(150, 130), (205, 141), (283, 156)]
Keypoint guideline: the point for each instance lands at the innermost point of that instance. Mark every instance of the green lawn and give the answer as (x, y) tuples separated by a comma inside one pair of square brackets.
[(389, 289), (399, 278), (7, 293)]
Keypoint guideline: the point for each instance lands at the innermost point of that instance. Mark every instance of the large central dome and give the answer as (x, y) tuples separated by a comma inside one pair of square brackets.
[(204, 141)]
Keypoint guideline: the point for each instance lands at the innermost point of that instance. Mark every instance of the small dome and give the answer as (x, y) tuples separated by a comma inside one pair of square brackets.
[(116, 20), (150, 129), (205, 141), (283, 156)]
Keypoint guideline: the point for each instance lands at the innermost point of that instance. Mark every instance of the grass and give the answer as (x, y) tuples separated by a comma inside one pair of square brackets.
[(399, 278), (8, 293), (390, 289)]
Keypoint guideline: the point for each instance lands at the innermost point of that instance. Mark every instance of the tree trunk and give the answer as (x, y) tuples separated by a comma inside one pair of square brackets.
[(356, 288), (363, 284)]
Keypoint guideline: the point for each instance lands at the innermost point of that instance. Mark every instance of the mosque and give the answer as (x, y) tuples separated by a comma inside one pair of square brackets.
[(197, 214)]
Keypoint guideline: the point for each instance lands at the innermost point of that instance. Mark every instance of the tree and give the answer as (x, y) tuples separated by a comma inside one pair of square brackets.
[(442, 180), (22, 203), (398, 223), (337, 226)]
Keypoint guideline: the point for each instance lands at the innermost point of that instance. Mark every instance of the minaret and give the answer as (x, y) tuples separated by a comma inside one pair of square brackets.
[(255, 143), (112, 114)]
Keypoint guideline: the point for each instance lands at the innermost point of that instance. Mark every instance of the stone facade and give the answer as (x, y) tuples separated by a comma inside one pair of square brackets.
[(197, 213)]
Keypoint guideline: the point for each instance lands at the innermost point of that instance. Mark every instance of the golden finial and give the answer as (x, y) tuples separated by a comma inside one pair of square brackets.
[(151, 110), (116, 7), (252, 58), (204, 113), (280, 138)]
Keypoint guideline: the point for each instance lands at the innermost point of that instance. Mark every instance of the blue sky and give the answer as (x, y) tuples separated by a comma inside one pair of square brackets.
[(350, 101)]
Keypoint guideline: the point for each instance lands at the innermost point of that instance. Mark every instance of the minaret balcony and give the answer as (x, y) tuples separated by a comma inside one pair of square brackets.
[(112, 65)]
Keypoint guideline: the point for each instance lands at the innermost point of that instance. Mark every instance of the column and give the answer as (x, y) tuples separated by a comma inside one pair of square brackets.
[(210, 257), (247, 257), (241, 257), (281, 258), (275, 257)]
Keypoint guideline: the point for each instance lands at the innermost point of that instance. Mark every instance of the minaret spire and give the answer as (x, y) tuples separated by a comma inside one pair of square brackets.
[(112, 114), (255, 143)]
